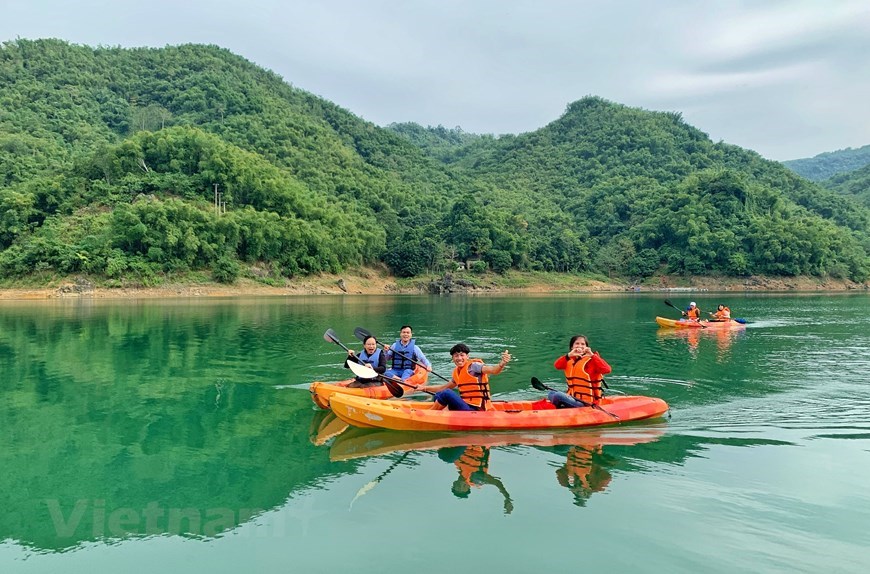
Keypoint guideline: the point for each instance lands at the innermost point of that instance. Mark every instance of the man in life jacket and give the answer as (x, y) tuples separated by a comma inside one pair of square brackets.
[(404, 354), (371, 356), (584, 374), (692, 313), (470, 378), (722, 313)]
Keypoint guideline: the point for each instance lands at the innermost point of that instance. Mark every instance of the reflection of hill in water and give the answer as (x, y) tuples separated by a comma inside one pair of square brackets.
[(185, 468), (119, 421)]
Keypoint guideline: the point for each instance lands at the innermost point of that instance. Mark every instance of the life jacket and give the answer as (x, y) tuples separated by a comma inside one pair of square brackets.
[(581, 385), (473, 390), (372, 360), (400, 363), (693, 313), (473, 459)]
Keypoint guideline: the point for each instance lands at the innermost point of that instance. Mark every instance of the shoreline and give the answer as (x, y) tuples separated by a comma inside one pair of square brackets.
[(376, 283)]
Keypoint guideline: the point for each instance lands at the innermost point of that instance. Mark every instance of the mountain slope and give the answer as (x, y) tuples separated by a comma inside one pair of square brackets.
[(111, 159), (829, 164)]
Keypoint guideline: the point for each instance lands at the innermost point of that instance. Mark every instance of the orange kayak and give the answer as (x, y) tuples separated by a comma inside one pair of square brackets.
[(358, 443), (506, 415), (320, 391), (703, 324)]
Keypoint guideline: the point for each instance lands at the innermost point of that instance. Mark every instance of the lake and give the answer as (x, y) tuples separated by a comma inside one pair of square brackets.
[(179, 435)]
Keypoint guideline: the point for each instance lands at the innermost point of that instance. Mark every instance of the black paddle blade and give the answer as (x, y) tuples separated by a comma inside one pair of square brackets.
[(395, 388), (361, 334), (536, 382)]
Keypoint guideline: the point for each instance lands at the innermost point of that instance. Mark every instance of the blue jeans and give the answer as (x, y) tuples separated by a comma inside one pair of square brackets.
[(452, 401), (563, 400), (402, 374)]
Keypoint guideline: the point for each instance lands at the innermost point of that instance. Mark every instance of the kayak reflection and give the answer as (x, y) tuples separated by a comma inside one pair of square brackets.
[(693, 337), (586, 469), (324, 426)]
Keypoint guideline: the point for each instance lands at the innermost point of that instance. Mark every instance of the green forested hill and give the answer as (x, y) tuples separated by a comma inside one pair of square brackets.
[(610, 187), (854, 183), (830, 164), (109, 159)]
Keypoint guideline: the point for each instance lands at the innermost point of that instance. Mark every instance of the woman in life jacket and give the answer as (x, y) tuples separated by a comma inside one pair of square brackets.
[(722, 313), (584, 369), (470, 378), (371, 356), (692, 313)]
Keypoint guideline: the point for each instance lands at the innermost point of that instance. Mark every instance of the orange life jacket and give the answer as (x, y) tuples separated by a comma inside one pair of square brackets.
[(473, 390), (581, 385), (723, 315), (693, 313)]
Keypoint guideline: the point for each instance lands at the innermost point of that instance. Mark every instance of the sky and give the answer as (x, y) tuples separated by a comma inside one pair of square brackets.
[(788, 79)]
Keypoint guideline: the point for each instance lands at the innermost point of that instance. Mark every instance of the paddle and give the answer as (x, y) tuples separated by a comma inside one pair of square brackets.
[(363, 334), (668, 302), (536, 382), (394, 389), (365, 372)]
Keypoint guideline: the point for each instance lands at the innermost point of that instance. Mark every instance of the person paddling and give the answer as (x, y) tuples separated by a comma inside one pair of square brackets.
[(402, 354), (692, 313)]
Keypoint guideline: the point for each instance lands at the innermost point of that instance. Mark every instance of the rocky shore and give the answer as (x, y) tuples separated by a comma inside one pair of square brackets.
[(367, 282)]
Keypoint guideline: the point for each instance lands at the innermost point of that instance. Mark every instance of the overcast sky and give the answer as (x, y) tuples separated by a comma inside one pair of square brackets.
[(788, 79)]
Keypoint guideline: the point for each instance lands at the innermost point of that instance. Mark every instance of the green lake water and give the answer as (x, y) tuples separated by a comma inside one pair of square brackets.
[(179, 436)]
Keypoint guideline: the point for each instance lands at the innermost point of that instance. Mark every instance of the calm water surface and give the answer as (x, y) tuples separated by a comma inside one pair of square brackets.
[(180, 436)]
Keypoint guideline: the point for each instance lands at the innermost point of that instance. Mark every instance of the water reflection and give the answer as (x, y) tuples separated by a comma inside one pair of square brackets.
[(585, 470), (472, 462), (723, 339)]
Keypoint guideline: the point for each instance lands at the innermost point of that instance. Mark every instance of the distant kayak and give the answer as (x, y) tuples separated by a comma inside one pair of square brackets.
[(703, 324), (505, 415), (321, 391)]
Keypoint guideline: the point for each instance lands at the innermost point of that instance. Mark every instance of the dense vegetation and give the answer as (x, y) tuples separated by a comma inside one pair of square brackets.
[(854, 183), (110, 160), (829, 164)]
